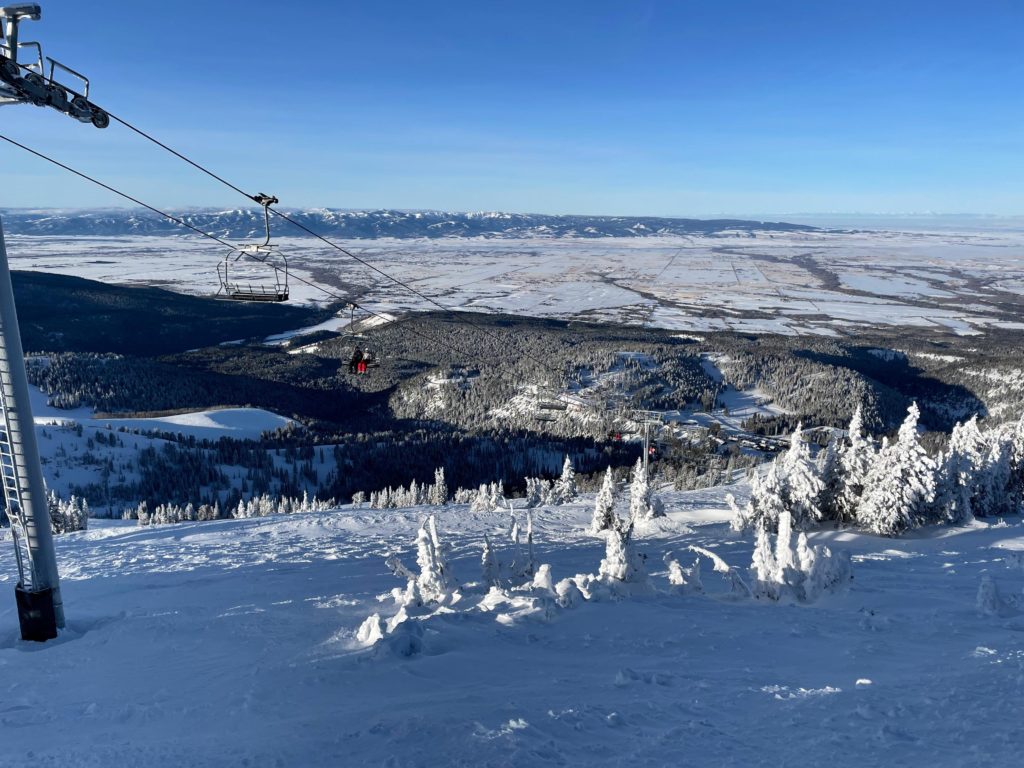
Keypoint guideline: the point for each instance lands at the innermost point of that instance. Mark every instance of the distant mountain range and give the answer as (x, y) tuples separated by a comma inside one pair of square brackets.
[(248, 223)]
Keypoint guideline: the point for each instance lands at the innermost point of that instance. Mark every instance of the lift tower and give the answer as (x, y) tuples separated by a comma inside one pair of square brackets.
[(40, 608)]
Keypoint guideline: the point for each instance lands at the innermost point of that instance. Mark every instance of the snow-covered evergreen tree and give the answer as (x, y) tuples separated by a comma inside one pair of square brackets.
[(801, 485), (1014, 446), (643, 504), (534, 493), (621, 561), (790, 484), (763, 567), (531, 564), (685, 581), (900, 488), (767, 501), (993, 492), (604, 517), (830, 472), (482, 500), (439, 490), (856, 459), (433, 582), (69, 515), (490, 569), (800, 572), (565, 489), (959, 469), (497, 495)]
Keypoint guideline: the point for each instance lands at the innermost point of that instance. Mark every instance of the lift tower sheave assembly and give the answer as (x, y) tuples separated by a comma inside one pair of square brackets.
[(33, 79), (29, 80)]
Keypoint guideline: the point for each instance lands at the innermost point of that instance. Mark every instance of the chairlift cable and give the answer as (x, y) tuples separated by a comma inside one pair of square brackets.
[(259, 199), (226, 244), (203, 169)]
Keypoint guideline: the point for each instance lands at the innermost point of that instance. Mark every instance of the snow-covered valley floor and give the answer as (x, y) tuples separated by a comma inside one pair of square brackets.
[(797, 283), (232, 643)]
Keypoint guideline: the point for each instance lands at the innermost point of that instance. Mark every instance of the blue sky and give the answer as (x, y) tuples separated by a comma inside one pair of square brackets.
[(632, 107)]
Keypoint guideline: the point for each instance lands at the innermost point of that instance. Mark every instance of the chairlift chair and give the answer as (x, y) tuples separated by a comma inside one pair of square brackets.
[(368, 359), (258, 278), (35, 82), (553, 405)]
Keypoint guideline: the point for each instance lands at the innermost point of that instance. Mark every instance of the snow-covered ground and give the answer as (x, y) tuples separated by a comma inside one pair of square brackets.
[(232, 643), (793, 283), (71, 459), (237, 423)]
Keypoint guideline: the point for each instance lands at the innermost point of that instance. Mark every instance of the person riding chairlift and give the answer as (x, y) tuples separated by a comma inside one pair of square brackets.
[(364, 362), (357, 364)]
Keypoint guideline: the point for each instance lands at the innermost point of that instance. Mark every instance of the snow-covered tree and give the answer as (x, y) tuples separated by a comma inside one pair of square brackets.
[(489, 566), (801, 572), (68, 515), (497, 495), (959, 469), (900, 488), (790, 484), (1014, 446), (439, 490), (801, 484), (534, 493), (767, 501), (433, 582), (685, 581), (621, 561), (565, 489), (643, 504), (531, 564), (763, 567), (856, 459), (604, 506), (830, 471), (482, 499)]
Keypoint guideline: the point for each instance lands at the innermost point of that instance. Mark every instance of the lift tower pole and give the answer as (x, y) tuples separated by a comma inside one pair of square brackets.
[(31, 80), (27, 506)]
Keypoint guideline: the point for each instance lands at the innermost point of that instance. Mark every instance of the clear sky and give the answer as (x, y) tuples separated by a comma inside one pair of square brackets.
[(691, 107)]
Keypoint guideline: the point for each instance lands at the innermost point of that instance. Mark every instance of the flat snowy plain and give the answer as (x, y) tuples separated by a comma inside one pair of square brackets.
[(793, 283), (232, 643)]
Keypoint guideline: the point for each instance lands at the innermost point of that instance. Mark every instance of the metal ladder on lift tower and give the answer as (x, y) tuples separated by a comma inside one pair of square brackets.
[(10, 452)]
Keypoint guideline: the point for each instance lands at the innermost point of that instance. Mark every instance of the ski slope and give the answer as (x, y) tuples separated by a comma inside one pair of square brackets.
[(232, 643)]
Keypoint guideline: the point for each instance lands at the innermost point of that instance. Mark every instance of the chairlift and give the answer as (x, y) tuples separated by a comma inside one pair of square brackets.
[(257, 278), (35, 82), (362, 360)]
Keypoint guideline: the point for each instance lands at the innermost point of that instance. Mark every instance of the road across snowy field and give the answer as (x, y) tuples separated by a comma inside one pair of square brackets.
[(233, 643)]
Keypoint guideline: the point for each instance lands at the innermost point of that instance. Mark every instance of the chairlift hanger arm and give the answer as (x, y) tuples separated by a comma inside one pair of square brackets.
[(266, 201)]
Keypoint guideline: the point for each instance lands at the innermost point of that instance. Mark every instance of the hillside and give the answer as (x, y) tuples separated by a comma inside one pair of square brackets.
[(233, 643), (63, 313)]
